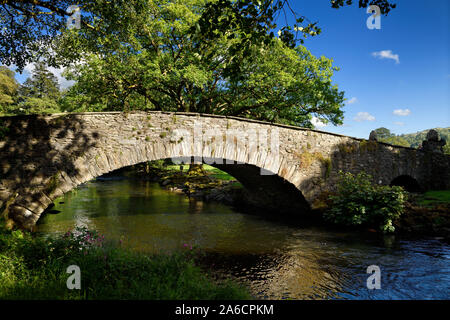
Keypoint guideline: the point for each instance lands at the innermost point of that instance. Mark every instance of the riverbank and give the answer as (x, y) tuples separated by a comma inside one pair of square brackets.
[(34, 268), (423, 215), (206, 183), (426, 214)]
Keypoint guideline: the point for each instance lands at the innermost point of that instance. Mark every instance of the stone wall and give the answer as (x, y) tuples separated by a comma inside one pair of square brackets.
[(43, 157)]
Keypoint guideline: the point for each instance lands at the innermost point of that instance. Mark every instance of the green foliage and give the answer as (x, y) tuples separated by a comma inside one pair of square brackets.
[(413, 140), (359, 202), (39, 94), (41, 84), (30, 27), (446, 148), (35, 268), (385, 135), (8, 89), (158, 65), (396, 140), (38, 105), (434, 197), (416, 139)]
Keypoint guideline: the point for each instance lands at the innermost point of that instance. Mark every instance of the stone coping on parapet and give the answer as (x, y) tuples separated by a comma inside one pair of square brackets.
[(206, 115)]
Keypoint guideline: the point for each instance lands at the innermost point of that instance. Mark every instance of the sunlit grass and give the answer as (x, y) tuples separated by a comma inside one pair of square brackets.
[(210, 170), (435, 197)]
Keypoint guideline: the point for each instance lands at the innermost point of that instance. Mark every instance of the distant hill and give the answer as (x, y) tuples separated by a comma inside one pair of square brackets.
[(415, 139)]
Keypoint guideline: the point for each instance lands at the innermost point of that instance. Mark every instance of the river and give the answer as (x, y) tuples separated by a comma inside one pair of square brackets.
[(274, 259)]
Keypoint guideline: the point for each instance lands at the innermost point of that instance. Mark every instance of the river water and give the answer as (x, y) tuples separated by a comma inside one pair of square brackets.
[(274, 259)]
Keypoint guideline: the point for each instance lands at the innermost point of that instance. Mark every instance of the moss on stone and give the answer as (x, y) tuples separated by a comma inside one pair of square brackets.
[(52, 184), (368, 146), (348, 148), (307, 158), (328, 166)]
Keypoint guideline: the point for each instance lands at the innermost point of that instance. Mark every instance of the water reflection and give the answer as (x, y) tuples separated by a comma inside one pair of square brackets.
[(275, 260)]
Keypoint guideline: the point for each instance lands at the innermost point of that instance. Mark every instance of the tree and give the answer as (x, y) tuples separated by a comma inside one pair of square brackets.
[(385, 135), (41, 84), (28, 28), (396, 140), (8, 89), (416, 139), (39, 93), (160, 66)]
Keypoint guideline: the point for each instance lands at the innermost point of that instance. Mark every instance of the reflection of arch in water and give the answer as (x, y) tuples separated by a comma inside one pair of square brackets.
[(271, 192), (407, 182)]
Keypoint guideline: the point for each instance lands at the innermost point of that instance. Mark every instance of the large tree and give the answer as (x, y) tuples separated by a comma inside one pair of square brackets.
[(28, 27), (385, 135), (160, 66), (40, 92), (42, 84)]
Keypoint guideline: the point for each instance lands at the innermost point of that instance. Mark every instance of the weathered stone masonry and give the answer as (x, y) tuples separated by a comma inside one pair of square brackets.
[(43, 157)]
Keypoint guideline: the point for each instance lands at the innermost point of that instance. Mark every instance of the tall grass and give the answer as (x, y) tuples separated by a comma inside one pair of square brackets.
[(35, 268)]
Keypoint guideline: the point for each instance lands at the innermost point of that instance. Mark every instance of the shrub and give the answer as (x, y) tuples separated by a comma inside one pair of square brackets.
[(359, 202)]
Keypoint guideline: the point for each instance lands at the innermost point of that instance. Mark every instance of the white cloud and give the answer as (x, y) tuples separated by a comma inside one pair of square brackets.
[(364, 116), (386, 54), (402, 112), (352, 100), (399, 123), (317, 122)]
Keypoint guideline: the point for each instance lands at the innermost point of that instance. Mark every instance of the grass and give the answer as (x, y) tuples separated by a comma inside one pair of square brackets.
[(437, 197), (35, 268), (210, 170)]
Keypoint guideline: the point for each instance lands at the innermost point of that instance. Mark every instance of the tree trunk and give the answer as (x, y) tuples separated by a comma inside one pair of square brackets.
[(196, 168)]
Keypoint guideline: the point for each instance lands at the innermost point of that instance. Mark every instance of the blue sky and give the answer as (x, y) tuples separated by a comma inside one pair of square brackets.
[(417, 86), (415, 81)]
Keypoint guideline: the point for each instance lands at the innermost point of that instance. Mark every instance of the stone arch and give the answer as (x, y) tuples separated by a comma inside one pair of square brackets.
[(269, 191), (44, 156), (407, 182)]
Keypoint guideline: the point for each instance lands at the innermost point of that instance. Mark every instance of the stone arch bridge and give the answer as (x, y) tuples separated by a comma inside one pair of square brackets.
[(286, 168)]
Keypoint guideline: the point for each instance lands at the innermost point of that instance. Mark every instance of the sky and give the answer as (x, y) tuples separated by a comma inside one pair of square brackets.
[(396, 77)]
